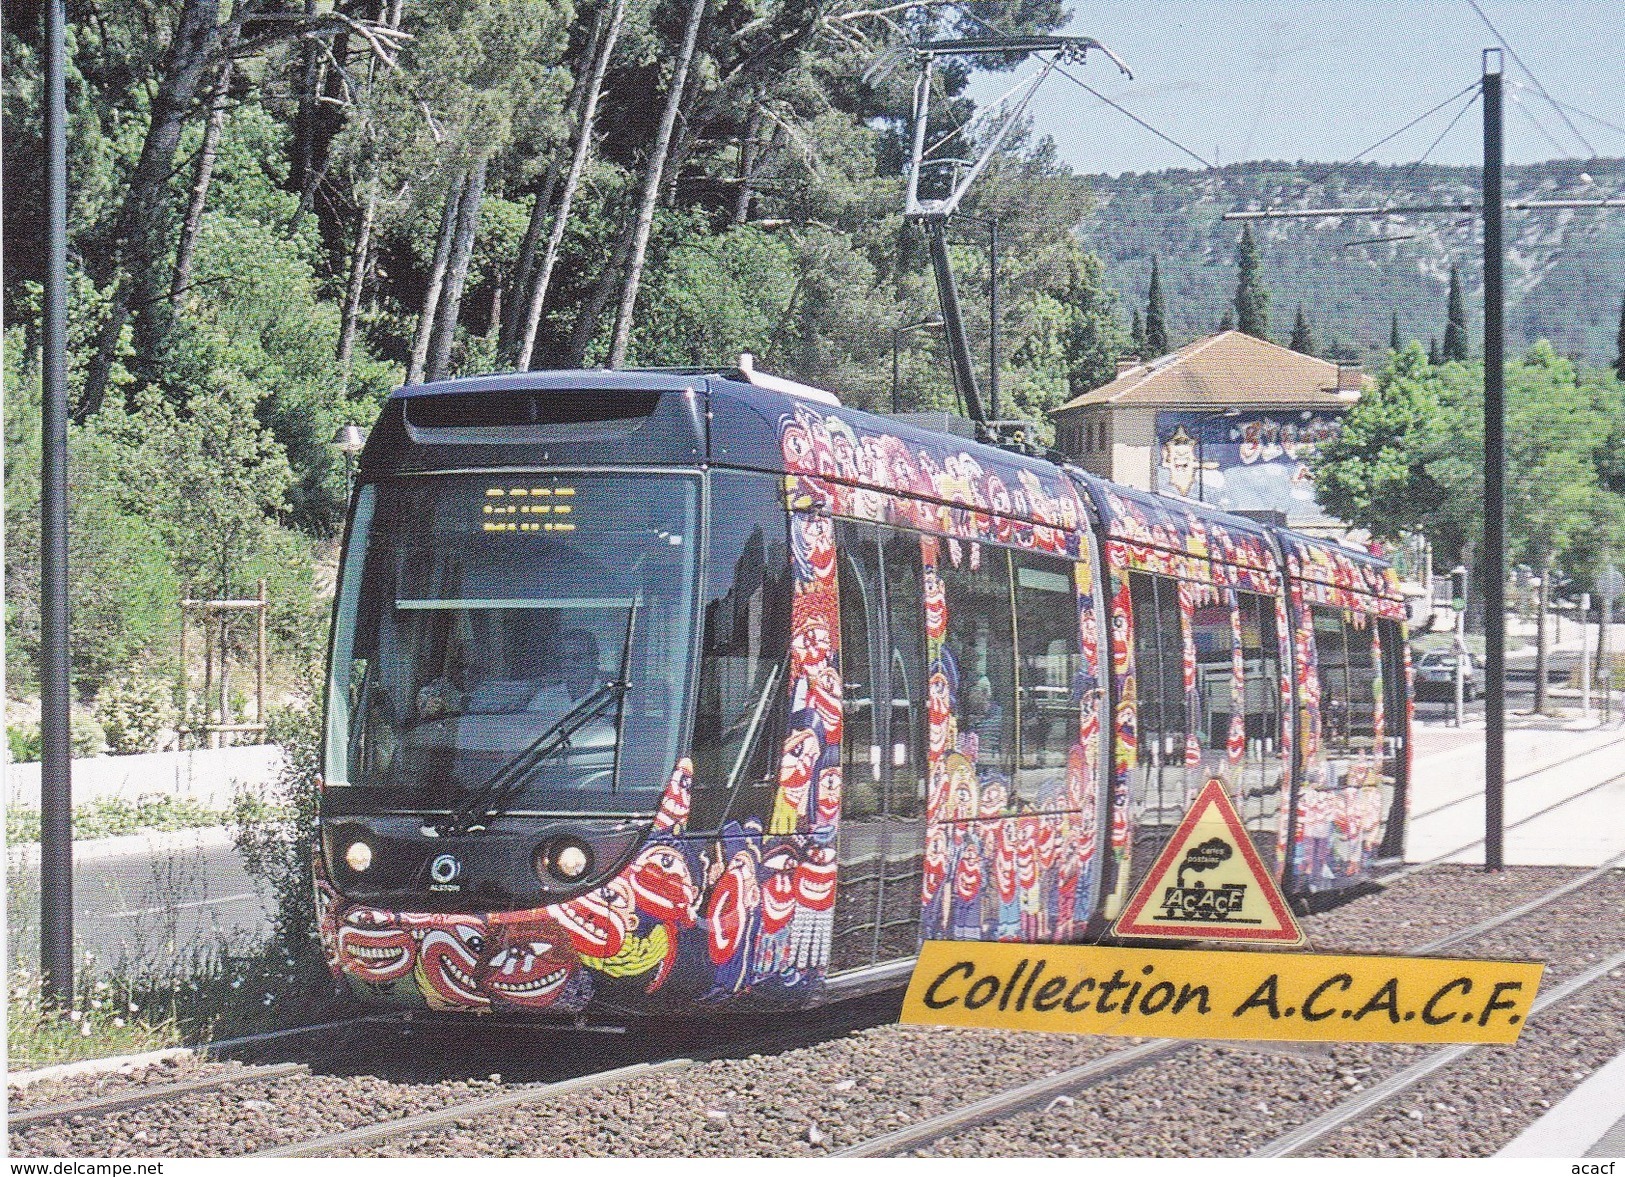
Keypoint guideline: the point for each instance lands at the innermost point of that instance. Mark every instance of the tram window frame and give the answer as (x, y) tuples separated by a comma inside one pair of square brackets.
[(978, 585), (1159, 675), (1046, 615), (761, 622), (1214, 669), (1261, 670), (1344, 715), (858, 568)]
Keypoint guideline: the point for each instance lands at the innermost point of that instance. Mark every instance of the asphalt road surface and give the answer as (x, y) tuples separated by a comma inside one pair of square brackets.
[(147, 901)]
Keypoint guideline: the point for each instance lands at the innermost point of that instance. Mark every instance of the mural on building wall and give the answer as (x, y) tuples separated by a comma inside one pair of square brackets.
[(1254, 461)]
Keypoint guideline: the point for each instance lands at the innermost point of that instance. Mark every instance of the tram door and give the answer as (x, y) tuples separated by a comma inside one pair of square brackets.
[(882, 831)]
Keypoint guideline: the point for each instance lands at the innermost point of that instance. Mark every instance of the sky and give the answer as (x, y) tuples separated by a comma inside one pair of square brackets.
[(1322, 80)]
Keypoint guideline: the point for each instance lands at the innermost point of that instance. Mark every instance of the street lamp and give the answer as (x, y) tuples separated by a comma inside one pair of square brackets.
[(350, 440), (933, 322)]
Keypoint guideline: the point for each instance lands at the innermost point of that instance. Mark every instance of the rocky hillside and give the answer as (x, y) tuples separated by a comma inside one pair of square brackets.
[(1565, 269)]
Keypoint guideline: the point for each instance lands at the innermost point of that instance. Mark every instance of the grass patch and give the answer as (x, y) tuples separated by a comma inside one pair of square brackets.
[(108, 817), (210, 996)]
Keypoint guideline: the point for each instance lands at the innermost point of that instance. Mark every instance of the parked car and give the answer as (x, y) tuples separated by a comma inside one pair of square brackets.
[(1436, 676)]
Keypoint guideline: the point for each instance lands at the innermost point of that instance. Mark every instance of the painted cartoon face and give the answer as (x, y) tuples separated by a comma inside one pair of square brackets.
[(801, 751), (449, 963), (778, 880), (373, 946), (797, 446), (815, 879), (1120, 631), (735, 902), (811, 644), (597, 922), (530, 961), (938, 709), (824, 695), (675, 801), (936, 606), (820, 533), (829, 795), (663, 886), (992, 800), (935, 866), (961, 786), (1089, 638), (1125, 733)]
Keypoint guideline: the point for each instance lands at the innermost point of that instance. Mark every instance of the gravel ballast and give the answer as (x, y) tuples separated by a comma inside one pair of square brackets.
[(1210, 1100)]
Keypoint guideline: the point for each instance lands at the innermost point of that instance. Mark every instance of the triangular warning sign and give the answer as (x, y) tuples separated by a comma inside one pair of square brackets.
[(1208, 884)]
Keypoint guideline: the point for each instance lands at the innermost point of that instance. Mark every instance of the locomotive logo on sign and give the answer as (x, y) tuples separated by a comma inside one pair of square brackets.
[(1209, 884)]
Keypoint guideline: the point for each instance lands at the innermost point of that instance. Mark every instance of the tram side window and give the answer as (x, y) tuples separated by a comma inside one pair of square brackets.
[(859, 578), (740, 706), (1047, 645), (1158, 668), (1214, 640), (1348, 673), (1261, 655), (977, 588)]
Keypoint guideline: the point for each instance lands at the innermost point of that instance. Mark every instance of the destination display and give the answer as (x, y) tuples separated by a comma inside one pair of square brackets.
[(511, 508)]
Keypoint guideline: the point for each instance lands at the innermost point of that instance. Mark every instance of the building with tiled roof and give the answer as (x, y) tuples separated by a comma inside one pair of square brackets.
[(1229, 420)]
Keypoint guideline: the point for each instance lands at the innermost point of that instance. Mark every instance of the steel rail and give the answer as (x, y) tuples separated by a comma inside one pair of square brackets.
[(1523, 776), (1290, 1143), (321, 1146), (1406, 872), (145, 1095), (1092, 1073)]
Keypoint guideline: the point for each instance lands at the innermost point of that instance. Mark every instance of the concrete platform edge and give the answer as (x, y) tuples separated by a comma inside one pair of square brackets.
[(1579, 1120)]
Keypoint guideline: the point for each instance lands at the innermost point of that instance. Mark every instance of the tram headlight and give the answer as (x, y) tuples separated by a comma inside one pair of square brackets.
[(358, 857), (566, 861)]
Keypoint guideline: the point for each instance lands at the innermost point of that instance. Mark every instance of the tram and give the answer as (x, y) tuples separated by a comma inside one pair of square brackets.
[(653, 692)]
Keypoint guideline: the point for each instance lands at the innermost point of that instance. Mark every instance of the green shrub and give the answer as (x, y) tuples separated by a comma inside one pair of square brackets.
[(133, 712), (22, 742)]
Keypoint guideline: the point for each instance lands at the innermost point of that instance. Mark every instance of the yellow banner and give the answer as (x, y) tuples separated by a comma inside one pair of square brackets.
[(1170, 993)]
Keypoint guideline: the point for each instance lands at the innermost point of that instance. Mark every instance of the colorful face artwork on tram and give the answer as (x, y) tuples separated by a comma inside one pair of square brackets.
[(708, 917)]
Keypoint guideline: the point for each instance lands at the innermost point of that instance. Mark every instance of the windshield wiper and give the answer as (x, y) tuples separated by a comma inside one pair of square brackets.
[(494, 795)]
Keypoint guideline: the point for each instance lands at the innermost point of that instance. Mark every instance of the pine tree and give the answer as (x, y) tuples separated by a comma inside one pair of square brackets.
[(1619, 361), (1252, 300), (1393, 333), (1455, 327), (1156, 317), (1136, 335), (1303, 340)]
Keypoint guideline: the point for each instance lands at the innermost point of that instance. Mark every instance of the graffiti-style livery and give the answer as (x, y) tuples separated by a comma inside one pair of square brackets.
[(653, 691)]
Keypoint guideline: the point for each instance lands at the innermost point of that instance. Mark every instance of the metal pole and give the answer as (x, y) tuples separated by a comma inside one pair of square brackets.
[(895, 380), (56, 767), (936, 230), (1585, 655), (259, 667), (1495, 617), (993, 357)]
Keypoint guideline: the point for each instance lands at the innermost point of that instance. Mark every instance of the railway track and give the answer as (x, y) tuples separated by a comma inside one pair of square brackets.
[(1098, 1071), (1417, 867), (1527, 774)]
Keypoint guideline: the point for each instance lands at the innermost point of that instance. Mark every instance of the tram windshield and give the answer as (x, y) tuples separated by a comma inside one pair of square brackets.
[(477, 611)]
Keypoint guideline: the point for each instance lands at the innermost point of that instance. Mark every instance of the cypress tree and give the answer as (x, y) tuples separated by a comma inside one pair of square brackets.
[(1433, 352), (1619, 361), (1455, 327), (1227, 321), (1303, 339), (1136, 335), (1393, 333), (1252, 300), (1156, 317)]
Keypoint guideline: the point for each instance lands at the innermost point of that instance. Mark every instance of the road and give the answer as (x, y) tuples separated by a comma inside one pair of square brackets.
[(148, 901)]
